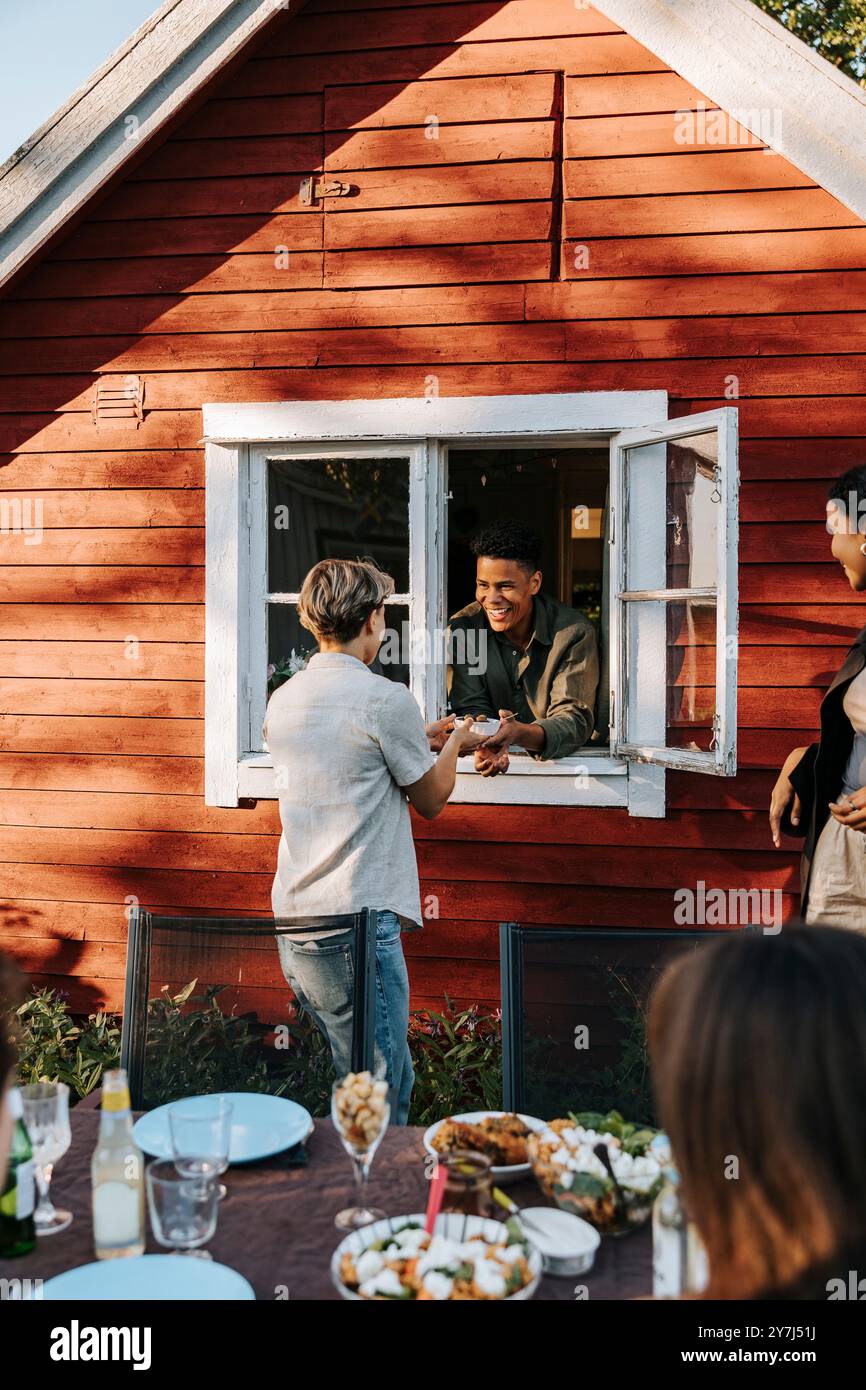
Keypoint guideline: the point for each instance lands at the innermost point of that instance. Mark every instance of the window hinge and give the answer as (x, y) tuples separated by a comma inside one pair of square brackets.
[(612, 527), (314, 189), (612, 714), (249, 511)]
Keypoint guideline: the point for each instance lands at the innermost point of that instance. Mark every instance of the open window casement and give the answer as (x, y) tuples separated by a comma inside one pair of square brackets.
[(674, 497)]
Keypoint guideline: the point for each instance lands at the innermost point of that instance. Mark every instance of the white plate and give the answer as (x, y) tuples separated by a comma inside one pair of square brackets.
[(501, 1175), (452, 1224), (150, 1278), (262, 1125)]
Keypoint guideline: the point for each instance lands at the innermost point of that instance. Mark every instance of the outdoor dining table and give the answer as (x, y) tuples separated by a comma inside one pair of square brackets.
[(276, 1225)]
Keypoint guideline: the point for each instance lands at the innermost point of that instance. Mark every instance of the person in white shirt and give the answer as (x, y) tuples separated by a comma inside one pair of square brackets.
[(350, 754)]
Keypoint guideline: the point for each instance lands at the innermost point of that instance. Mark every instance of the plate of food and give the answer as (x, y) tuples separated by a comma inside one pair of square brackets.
[(468, 1258), (570, 1170), (499, 1134)]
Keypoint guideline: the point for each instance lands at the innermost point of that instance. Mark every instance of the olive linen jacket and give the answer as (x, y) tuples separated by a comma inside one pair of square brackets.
[(553, 683), (817, 779)]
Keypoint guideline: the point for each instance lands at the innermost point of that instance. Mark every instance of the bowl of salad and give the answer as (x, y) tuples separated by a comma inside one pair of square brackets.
[(567, 1160), (466, 1258)]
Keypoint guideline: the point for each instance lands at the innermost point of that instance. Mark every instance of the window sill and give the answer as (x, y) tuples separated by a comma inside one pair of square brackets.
[(591, 779)]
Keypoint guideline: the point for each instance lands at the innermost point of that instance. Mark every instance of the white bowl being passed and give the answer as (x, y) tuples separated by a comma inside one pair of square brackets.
[(566, 1243), (487, 727), (453, 1225)]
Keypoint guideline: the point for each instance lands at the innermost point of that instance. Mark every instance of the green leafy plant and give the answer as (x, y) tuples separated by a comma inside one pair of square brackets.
[(834, 28), (193, 1047), (457, 1056), (54, 1046), (281, 671)]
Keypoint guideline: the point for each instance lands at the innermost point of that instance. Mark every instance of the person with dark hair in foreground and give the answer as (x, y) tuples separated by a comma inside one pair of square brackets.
[(534, 661), (758, 1054), (820, 793)]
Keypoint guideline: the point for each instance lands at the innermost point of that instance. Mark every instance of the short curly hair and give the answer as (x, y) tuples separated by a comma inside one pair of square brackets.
[(509, 540)]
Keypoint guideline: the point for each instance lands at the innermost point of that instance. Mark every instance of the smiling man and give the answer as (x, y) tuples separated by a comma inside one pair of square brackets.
[(539, 670)]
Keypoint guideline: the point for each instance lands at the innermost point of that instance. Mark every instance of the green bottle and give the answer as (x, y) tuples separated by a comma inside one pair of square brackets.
[(18, 1198)]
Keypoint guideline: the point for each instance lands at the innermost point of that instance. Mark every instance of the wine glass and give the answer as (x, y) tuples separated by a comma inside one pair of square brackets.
[(183, 1207), (201, 1134), (46, 1116), (360, 1113)]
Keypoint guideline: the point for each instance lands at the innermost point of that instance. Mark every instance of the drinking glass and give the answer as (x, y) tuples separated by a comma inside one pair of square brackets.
[(201, 1134), (360, 1113), (183, 1209), (46, 1116)]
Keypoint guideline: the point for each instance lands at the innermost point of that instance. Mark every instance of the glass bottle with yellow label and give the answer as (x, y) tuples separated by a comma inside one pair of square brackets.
[(117, 1172)]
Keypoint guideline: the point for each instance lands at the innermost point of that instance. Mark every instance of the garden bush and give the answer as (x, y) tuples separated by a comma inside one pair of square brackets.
[(196, 1047)]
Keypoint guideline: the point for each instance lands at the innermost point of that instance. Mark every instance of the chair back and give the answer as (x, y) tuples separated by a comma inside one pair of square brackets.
[(574, 1003), (205, 1006)]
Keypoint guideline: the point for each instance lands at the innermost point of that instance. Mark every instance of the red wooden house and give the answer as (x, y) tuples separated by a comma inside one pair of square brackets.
[(396, 269)]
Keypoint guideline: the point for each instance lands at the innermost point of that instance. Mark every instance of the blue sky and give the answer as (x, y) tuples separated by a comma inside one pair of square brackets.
[(48, 48)]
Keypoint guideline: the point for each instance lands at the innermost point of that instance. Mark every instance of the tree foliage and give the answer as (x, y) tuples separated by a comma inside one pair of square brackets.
[(834, 28)]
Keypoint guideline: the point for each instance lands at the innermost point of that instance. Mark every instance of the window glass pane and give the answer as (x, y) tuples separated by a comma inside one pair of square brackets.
[(673, 514), (289, 642), (395, 653), (337, 508), (683, 637)]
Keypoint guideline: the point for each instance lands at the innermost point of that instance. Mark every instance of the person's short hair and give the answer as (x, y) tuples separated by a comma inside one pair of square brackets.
[(338, 596), (849, 494), (11, 994), (509, 540)]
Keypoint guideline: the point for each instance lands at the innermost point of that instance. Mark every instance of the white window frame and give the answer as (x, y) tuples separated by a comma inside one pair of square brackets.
[(722, 758), (237, 437)]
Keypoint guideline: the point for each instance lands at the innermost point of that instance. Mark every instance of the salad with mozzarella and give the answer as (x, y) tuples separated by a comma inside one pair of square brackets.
[(569, 1169), (410, 1264)]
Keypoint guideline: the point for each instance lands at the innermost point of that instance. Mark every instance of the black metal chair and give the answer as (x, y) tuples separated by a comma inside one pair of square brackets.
[(200, 998), (573, 1016)]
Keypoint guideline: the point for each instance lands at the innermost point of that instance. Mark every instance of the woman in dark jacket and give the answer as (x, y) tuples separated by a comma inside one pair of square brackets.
[(821, 790)]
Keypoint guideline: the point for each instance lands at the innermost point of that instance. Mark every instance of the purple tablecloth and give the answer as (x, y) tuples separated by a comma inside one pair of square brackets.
[(276, 1227)]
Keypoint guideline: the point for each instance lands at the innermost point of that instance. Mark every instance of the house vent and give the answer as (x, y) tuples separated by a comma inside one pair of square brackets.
[(118, 400)]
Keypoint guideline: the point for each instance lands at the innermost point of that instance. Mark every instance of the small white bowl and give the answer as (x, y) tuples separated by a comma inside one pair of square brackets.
[(566, 1243), (488, 727)]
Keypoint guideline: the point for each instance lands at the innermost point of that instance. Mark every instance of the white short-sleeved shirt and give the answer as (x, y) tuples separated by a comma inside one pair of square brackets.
[(344, 742)]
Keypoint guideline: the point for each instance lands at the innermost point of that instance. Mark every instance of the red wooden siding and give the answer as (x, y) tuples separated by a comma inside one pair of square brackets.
[(704, 263)]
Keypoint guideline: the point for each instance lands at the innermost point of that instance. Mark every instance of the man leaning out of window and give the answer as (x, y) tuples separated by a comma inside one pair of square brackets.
[(521, 656)]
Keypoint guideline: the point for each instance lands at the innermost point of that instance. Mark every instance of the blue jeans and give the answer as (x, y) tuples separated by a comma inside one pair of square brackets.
[(322, 976)]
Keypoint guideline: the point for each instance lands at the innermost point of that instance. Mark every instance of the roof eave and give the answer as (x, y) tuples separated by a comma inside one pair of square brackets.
[(132, 97), (746, 62)]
